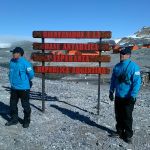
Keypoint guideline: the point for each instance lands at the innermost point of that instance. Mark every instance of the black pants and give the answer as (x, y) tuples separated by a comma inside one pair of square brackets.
[(14, 98), (123, 112)]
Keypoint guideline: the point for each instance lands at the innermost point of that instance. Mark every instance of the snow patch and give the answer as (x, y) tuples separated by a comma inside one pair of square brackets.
[(117, 40), (5, 45)]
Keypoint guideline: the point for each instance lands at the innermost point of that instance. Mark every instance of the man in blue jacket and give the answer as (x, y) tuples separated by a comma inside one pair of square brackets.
[(125, 82), (20, 75)]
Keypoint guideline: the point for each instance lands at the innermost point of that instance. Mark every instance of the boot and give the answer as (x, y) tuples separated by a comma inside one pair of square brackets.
[(26, 121), (13, 121), (119, 134), (128, 140)]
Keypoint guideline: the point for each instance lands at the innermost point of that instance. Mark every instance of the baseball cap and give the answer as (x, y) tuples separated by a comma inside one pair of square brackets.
[(18, 50), (125, 50)]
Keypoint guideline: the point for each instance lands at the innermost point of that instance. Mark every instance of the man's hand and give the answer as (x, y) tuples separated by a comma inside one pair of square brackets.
[(130, 100), (30, 82), (111, 96), (133, 99)]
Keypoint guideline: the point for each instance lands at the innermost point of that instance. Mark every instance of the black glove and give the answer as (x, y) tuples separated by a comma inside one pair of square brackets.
[(30, 83), (133, 99), (130, 100), (111, 96)]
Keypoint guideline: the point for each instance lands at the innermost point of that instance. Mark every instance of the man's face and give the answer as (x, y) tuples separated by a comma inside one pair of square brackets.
[(124, 57), (16, 55)]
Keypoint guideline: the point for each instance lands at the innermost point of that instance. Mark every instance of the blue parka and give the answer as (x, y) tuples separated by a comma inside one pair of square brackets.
[(131, 86), (20, 74)]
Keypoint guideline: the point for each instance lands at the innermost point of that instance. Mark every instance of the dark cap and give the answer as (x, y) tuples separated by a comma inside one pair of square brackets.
[(125, 50), (18, 50)]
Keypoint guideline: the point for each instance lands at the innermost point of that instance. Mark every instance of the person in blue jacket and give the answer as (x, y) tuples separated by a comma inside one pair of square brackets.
[(125, 83), (20, 76)]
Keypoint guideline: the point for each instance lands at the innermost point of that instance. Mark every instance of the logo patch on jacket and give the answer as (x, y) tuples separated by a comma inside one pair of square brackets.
[(137, 73), (29, 69)]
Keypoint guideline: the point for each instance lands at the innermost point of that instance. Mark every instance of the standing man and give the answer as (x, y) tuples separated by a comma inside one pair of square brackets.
[(20, 75), (125, 82)]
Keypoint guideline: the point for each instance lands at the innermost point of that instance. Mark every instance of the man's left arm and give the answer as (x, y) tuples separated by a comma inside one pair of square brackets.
[(30, 71), (136, 82)]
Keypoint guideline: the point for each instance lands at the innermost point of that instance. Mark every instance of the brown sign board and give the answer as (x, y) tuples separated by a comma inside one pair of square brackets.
[(71, 70), (71, 46), (49, 57), (72, 34)]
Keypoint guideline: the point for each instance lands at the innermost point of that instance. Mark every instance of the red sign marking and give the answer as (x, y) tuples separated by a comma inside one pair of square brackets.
[(72, 34), (70, 46), (69, 58), (71, 70)]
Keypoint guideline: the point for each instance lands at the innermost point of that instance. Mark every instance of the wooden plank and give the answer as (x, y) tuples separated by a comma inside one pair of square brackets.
[(71, 70), (49, 57), (70, 46), (72, 34)]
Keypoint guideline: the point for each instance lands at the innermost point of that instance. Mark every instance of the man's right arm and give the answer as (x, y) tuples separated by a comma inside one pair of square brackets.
[(112, 83), (112, 86)]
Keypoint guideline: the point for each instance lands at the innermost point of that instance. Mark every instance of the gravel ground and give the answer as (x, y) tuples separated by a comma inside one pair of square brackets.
[(70, 121)]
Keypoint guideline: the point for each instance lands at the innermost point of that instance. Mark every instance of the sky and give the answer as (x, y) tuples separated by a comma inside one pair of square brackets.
[(18, 18)]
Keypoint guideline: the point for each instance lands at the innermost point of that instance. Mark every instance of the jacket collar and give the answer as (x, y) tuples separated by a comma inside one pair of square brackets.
[(17, 60), (125, 61)]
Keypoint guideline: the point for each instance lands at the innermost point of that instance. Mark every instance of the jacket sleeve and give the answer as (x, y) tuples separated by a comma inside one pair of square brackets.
[(112, 83), (136, 83), (30, 71), (10, 73)]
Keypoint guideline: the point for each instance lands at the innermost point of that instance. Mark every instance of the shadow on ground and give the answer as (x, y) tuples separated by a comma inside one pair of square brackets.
[(38, 96), (5, 112), (77, 116)]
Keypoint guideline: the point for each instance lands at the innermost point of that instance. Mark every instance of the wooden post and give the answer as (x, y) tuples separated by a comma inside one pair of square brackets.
[(43, 82), (99, 81)]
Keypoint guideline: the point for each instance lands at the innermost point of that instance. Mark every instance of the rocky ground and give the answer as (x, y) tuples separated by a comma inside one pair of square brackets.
[(70, 121)]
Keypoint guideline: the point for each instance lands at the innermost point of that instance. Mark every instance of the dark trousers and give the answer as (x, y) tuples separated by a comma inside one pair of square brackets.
[(23, 95), (123, 112)]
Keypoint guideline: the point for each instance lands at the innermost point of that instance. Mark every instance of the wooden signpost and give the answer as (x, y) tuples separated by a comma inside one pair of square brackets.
[(50, 57)]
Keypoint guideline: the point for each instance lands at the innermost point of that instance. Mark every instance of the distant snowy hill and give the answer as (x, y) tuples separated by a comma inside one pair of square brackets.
[(12, 41), (140, 37), (143, 33)]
